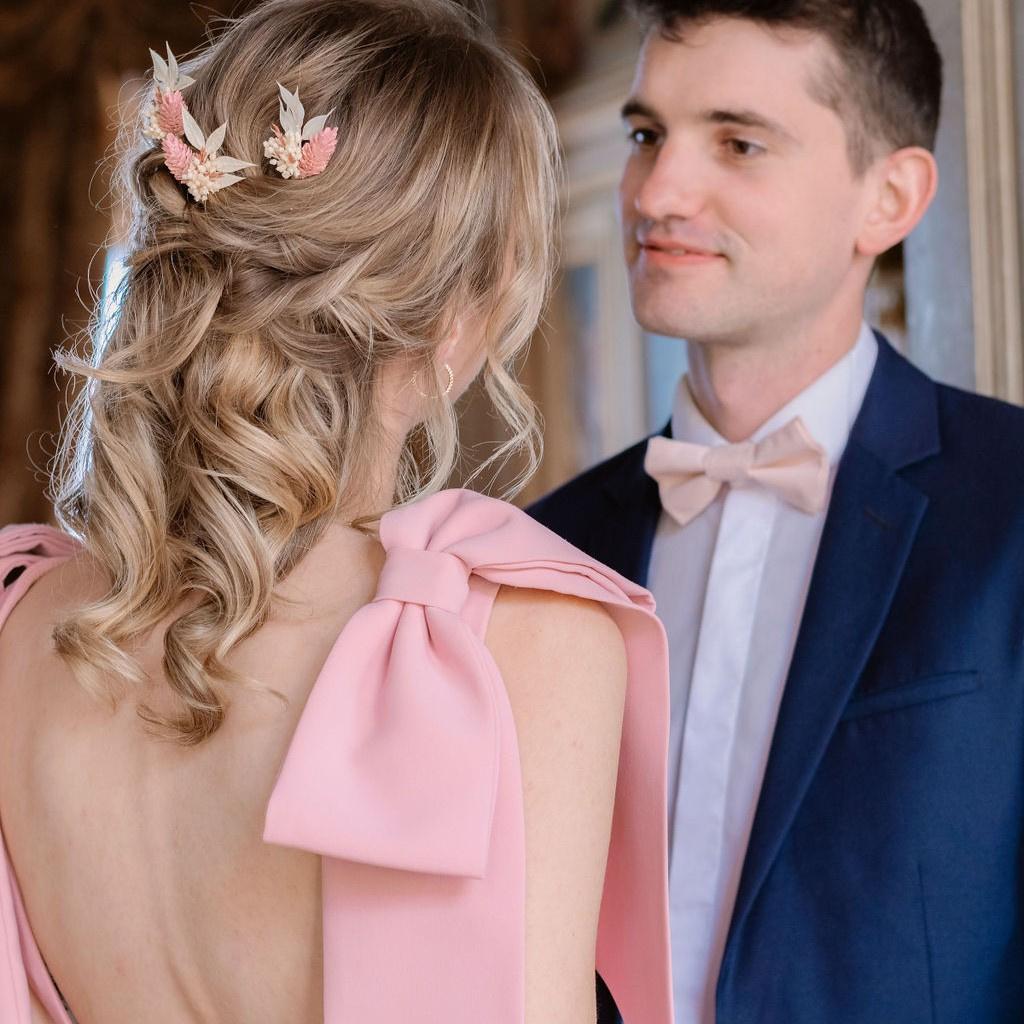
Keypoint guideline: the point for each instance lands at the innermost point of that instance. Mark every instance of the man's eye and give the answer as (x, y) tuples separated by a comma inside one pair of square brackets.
[(743, 147), (642, 136)]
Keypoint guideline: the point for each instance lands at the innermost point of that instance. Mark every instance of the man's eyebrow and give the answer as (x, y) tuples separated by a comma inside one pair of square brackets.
[(637, 108), (748, 119)]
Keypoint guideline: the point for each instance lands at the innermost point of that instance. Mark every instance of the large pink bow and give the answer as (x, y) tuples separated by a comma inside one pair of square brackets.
[(405, 758)]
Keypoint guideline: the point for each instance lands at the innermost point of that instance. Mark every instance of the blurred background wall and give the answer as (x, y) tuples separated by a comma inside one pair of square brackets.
[(950, 298)]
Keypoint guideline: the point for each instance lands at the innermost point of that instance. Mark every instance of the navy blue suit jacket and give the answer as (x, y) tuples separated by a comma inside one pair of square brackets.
[(884, 879)]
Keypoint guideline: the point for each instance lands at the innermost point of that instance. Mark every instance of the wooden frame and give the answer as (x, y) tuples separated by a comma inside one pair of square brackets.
[(991, 128)]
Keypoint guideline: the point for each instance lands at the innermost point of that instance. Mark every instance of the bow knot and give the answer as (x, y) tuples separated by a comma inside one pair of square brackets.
[(434, 579), (730, 463)]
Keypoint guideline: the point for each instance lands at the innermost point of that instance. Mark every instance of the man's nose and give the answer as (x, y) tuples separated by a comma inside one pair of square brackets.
[(676, 185)]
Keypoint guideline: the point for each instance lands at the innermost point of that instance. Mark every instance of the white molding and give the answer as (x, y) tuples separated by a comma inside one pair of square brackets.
[(992, 188), (593, 138), (592, 238)]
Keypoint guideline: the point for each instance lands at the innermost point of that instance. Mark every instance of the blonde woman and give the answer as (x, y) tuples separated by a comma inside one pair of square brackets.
[(288, 733)]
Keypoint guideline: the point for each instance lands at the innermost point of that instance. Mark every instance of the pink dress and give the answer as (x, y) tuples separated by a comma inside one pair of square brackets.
[(403, 774)]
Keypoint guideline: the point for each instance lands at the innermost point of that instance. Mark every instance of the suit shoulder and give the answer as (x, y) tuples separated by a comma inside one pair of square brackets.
[(559, 509), (980, 471), (983, 409), (978, 427)]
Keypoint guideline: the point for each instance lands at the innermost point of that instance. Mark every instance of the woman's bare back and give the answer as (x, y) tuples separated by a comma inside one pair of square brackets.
[(151, 893)]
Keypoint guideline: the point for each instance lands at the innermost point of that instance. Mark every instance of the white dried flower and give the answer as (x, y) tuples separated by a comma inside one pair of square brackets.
[(284, 152), (151, 123)]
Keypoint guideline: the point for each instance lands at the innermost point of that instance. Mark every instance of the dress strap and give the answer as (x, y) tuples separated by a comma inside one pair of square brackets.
[(27, 550), (479, 604)]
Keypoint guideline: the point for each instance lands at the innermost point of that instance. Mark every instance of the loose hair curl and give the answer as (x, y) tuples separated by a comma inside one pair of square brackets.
[(233, 410)]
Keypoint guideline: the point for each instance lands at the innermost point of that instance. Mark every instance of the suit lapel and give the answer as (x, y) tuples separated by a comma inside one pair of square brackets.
[(872, 521)]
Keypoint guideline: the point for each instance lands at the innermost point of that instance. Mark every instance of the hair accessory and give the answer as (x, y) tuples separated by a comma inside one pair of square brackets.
[(199, 167), (299, 150), (163, 115), (194, 163)]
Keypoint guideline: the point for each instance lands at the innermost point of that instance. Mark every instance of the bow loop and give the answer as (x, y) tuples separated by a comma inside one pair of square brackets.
[(394, 761)]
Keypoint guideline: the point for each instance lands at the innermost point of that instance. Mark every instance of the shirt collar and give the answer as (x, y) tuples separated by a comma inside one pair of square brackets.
[(828, 406)]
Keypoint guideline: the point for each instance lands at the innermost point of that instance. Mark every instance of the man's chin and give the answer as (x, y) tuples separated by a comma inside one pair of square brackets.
[(674, 317), (699, 330), (671, 325)]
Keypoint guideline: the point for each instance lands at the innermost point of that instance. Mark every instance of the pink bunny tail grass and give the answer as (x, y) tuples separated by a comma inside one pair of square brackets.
[(168, 112), (178, 155), (317, 151)]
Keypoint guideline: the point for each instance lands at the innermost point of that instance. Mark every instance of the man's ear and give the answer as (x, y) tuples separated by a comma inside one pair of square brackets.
[(901, 190)]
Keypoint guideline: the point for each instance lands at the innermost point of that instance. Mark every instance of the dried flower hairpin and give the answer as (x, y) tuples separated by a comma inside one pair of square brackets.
[(163, 115), (299, 150), (198, 166), (195, 162)]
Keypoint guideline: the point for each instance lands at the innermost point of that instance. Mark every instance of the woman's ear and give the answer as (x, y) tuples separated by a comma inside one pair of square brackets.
[(463, 348), (447, 347), (902, 188)]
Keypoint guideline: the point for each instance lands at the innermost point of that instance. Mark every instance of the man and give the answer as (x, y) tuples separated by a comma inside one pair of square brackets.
[(835, 542)]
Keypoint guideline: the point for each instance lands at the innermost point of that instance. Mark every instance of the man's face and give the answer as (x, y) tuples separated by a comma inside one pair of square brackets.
[(739, 207)]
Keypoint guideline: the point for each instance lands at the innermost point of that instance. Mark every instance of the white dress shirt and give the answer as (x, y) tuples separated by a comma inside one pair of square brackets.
[(730, 588)]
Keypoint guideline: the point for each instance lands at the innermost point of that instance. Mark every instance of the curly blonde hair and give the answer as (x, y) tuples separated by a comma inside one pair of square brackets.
[(233, 412)]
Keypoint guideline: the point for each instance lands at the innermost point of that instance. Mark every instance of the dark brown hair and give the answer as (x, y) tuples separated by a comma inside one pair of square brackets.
[(887, 84)]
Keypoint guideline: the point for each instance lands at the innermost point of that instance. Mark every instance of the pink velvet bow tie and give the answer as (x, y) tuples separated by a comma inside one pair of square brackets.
[(789, 462)]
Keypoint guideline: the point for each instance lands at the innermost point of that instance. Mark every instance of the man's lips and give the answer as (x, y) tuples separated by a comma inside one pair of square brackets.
[(663, 252)]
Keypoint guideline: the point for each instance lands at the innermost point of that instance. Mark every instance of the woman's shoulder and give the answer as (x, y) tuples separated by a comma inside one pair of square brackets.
[(562, 628), (562, 659)]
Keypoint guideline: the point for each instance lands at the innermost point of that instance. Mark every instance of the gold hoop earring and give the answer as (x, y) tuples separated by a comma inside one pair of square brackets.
[(447, 390)]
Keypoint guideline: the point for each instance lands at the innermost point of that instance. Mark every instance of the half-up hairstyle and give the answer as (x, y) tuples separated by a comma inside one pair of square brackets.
[(233, 412)]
